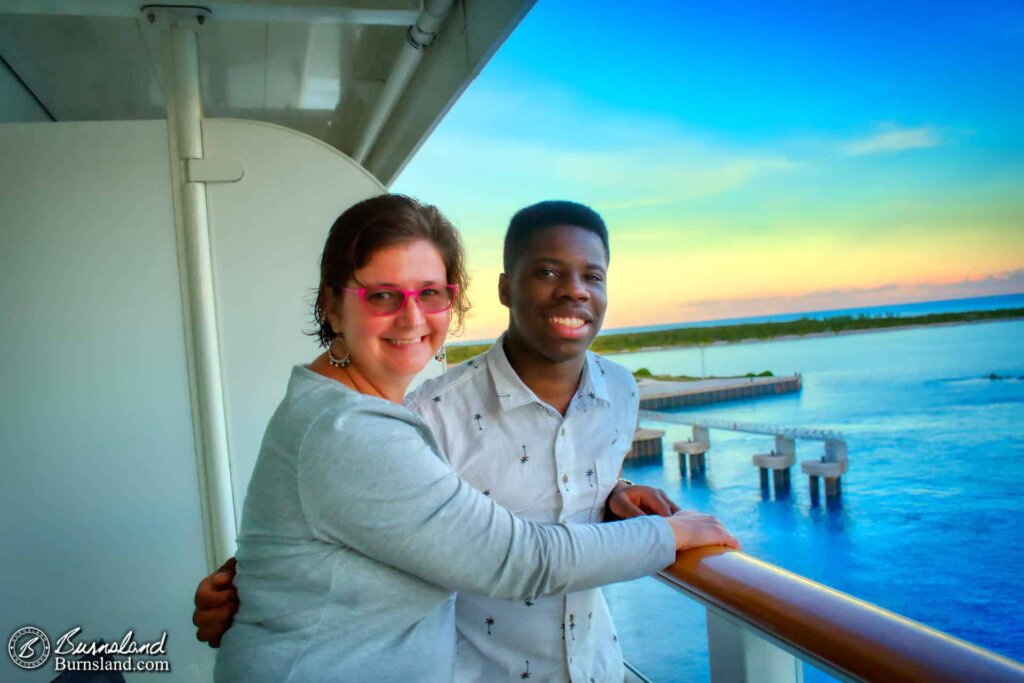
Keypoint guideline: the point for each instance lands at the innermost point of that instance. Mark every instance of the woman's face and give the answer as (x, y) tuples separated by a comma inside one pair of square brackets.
[(390, 349)]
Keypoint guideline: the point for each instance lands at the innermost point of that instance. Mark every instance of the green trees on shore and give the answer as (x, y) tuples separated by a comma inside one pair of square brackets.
[(697, 336)]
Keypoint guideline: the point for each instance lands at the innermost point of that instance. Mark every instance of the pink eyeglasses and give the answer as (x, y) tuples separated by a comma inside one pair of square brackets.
[(390, 300)]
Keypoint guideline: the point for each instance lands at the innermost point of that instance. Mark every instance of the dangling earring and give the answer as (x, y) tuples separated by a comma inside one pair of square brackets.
[(343, 362), (439, 356)]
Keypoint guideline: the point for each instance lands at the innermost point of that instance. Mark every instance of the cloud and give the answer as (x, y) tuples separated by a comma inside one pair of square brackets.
[(503, 147), (894, 139), (676, 171), (1009, 282), (665, 184)]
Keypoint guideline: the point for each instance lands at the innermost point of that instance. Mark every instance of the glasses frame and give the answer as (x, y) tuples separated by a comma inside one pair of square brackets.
[(406, 293)]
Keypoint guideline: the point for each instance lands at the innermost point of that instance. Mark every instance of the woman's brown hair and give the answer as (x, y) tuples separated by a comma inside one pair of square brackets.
[(377, 223)]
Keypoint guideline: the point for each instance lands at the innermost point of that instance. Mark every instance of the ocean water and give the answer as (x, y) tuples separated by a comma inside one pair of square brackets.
[(931, 523)]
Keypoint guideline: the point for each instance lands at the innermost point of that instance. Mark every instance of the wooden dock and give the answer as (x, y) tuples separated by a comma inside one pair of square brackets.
[(661, 395)]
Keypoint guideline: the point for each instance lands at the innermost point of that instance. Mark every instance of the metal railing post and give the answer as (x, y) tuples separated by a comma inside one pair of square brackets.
[(738, 655)]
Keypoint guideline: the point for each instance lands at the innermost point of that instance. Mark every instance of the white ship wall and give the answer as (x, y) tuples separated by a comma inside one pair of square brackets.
[(99, 498)]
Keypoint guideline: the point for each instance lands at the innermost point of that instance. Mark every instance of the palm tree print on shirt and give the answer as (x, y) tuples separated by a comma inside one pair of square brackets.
[(490, 622), (436, 399), (590, 478), (526, 674), (524, 458), (478, 417), (572, 626)]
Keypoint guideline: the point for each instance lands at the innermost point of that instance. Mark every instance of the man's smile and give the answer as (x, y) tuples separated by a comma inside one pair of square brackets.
[(567, 322)]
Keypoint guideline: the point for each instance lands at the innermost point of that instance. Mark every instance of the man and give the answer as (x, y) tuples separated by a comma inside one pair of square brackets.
[(541, 425)]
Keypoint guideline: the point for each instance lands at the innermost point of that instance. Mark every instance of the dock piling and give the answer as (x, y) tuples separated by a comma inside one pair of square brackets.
[(833, 487), (646, 444), (779, 460), (831, 468), (693, 451)]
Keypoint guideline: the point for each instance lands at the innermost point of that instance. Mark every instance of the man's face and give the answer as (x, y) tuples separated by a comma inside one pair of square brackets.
[(556, 293)]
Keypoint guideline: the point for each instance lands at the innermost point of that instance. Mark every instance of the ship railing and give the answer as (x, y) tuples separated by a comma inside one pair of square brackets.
[(764, 621)]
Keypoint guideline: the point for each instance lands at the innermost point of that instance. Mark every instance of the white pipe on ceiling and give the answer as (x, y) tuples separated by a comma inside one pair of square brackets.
[(379, 12), (421, 35)]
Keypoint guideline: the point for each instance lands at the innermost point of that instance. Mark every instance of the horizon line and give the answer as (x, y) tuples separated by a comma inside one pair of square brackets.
[(683, 323)]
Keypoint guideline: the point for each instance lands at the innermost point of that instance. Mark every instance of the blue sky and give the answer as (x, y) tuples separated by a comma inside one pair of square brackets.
[(781, 155)]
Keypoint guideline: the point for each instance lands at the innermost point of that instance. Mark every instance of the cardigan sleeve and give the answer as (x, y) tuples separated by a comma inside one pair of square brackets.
[(376, 483)]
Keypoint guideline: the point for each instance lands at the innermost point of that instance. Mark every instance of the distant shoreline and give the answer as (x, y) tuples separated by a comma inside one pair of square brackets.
[(813, 335), (751, 333)]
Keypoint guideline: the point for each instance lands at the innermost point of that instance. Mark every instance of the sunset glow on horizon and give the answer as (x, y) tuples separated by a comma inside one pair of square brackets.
[(752, 161)]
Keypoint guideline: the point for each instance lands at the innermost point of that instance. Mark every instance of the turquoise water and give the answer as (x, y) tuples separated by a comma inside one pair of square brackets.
[(931, 523)]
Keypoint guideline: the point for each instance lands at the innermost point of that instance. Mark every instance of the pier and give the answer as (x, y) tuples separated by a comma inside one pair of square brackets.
[(656, 394), (646, 444), (779, 461)]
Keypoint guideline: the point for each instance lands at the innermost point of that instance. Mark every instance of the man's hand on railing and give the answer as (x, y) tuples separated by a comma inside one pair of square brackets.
[(631, 500), (693, 529), (216, 604)]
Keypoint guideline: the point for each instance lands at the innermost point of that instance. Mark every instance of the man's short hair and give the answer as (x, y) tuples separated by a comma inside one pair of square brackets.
[(531, 220)]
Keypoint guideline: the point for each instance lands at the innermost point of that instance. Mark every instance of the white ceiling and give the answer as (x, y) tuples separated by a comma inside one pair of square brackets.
[(316, 66)]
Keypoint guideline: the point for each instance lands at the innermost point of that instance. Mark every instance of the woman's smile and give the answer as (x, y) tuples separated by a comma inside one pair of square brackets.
[(406, 342)]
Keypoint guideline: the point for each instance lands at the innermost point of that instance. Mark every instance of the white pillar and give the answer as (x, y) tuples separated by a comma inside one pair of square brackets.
[(184, 122), (785, 446)]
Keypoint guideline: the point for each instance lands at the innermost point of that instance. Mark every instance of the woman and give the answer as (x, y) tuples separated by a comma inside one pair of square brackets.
[(355, 531)]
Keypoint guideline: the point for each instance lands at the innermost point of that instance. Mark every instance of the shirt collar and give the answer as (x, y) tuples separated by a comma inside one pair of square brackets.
[(513, 393)]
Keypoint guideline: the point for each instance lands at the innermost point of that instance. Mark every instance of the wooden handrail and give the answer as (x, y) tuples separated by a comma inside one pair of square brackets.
[(822, 625)]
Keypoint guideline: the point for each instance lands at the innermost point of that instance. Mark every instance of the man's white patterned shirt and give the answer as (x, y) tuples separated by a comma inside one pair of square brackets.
[(543, 467)]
